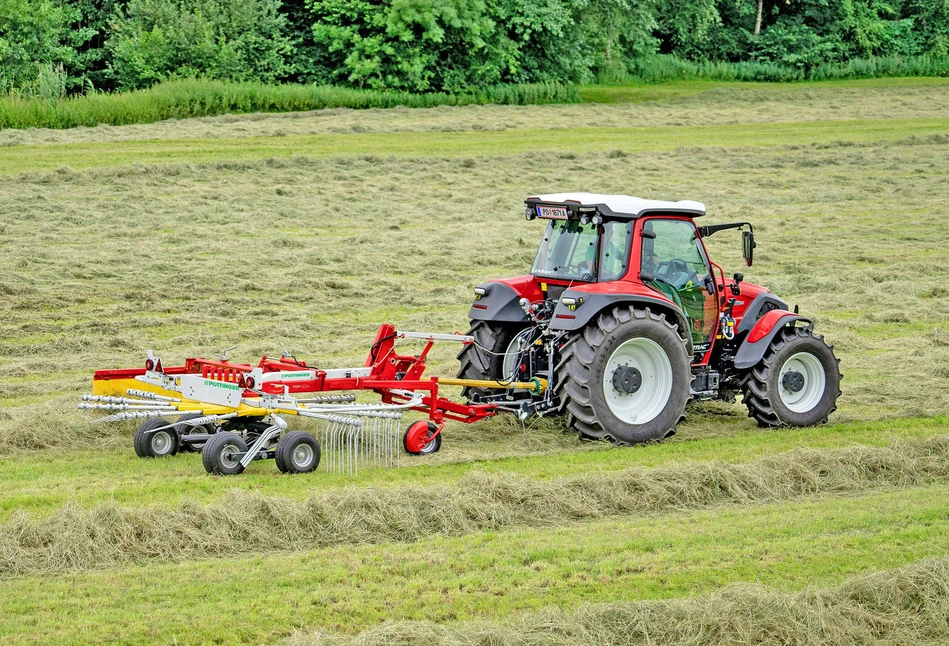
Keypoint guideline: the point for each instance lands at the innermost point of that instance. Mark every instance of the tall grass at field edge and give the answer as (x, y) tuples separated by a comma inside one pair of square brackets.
[(907, 605), (659, 69), (201, 98), (110, 535)]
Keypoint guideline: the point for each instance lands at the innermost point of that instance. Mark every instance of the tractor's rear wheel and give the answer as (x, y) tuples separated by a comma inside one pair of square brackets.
[(796, 383), (625, 377), (491, 356)]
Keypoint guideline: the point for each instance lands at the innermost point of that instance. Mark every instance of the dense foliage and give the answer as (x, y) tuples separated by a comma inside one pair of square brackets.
[(48, 47)]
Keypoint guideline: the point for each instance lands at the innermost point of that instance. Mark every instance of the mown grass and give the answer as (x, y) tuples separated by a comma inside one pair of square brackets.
[(673, 104), (538, 141), (673, 90), (203, 97), (265, 596), (42, 482), (111, 535), (310, 254), (904, 605)]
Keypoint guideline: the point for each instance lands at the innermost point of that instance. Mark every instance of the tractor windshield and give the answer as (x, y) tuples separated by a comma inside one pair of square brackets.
[(571, 250), (568, 250)]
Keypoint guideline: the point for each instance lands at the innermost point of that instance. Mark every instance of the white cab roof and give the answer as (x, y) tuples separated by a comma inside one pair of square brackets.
[(623, 204)]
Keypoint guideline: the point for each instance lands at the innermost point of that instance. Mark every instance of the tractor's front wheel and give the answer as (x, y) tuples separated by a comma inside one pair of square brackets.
[(493, 355), (796, 383), (625, 377)]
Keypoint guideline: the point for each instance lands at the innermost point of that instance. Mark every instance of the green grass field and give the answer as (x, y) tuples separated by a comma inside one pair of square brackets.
[(305, 231)]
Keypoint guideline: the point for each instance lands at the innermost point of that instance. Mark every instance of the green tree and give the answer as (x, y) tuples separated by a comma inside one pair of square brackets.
[(32, 35)]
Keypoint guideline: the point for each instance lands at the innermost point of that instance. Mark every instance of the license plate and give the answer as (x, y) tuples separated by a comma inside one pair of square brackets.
[(556, 212)]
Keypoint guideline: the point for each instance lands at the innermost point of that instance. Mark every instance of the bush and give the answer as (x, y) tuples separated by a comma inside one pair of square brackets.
[(157, 40)]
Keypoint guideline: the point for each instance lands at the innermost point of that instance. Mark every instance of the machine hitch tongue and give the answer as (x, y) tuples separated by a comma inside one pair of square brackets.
[(250, 405)]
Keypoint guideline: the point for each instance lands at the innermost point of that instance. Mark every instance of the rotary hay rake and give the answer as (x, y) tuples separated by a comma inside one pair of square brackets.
[(234, 413)]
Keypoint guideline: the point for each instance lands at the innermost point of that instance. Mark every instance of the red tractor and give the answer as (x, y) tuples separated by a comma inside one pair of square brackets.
[(627, 320)]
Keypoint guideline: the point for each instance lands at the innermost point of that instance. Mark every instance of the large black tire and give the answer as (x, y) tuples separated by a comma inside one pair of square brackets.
[(772, 402), (297, 452), (214, 455), (478, 364), (158, 444), (583, 363), (184, 429)]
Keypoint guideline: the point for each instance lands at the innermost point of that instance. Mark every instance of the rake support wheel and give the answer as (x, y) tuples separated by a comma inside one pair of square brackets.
[(418, 440), (216, 454), (297, 452), (625, 377), (184, 429), (796, 383), (156, 444)]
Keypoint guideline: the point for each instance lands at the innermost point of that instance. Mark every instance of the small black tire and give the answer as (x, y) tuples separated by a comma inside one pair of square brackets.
[(157, 444), (184, 429), (476, 363), (215, 454), (581, 377), (432, 446), (297, 452), (811, 400)]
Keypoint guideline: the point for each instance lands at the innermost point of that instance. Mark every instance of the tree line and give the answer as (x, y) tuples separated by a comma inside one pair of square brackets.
[(439, 45)]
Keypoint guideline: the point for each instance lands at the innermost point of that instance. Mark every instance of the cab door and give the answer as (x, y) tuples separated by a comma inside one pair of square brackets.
[(674, 261)]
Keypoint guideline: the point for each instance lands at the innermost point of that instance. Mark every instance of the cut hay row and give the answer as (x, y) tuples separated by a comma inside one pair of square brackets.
[(110, 535), (908, 605)]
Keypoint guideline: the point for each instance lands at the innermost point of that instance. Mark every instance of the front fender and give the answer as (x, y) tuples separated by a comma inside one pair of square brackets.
[(752, 349)]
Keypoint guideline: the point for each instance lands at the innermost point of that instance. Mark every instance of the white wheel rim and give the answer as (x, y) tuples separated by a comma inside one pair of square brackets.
[(511, 355), (161, 443), (229, 449), (302, 456), (810, 368), (650, 399)]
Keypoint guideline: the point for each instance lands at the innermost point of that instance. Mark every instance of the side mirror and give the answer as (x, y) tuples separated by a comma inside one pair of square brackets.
[(748, 246)]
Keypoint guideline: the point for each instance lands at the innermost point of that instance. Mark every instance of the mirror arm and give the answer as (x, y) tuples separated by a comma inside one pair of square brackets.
[(710, 229)]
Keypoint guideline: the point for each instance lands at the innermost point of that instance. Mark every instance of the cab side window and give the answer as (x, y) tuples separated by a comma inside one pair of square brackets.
[(614, 252)]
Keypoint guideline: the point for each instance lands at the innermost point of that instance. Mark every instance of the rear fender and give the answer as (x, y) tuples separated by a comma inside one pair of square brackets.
[(759, 338), (593, 304), (499, 303)]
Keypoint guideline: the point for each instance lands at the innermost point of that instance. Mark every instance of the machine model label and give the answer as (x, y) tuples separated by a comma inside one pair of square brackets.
[(211, 390), (288, 376)]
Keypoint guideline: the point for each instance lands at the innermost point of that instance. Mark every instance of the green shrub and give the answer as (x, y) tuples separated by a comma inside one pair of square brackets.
[(157, 40)]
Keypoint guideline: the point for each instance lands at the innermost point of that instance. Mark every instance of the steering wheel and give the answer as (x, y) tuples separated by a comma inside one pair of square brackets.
[(677, 273)]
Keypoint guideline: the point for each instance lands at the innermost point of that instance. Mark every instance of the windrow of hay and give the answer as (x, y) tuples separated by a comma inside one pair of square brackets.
[(908, 605), (109, 535)]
